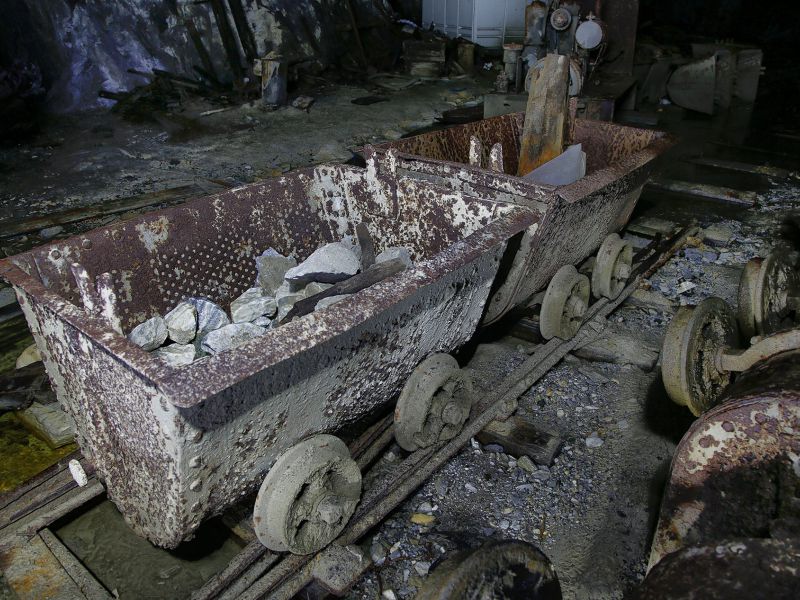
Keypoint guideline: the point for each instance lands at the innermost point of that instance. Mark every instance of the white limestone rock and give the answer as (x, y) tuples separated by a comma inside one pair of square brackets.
[(254, 303), (272, 267), (230, 336), (393, 252), (176, 355), (209, 316), (326, 302), (182, 323), (328, 264), (264, 322), (150, 334)]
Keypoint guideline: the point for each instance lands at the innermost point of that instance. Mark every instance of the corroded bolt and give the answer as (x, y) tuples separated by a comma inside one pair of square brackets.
[(452, 413), (330, 510)]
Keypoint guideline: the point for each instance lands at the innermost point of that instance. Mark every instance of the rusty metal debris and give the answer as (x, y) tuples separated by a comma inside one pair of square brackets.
[(736, 568), (619, 161), (735, 472), (508, 570)]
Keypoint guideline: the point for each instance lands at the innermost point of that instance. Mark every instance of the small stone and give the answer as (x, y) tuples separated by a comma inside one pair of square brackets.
[(50, 232), (181, 323), (560, 413), (272, 267), (388, 595), (470, 488), (425, 507), (423, 519), (504, 524), (685, 286), (209, 316), (230, 336), (541, 475), (378, 553), (77, 472), (526, 464), (265, 322), (286, 298), (326, 302), (422, 567), (393, 252), (497, 448), (49, 422), (176, 355), (329, 264), (303, 102), (252, 304), (150, 334), (594, 441)]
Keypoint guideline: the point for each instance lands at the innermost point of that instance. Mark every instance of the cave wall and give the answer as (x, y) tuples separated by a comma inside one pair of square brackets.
[(82, 46)]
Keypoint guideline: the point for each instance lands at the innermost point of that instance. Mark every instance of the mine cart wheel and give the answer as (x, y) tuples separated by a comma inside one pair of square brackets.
[(510, 570), (308, 496), (768, 295), (612, 268), (565, 303), (434, 404), (693, 340)]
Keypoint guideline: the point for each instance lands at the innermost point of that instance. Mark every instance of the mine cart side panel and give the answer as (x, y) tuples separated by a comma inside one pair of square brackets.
[(125, 426)]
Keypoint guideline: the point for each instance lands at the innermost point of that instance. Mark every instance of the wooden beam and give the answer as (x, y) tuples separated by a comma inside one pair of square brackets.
[(740, 167), (702, 190), (546, 114), (243, 29), (228, 39), (12, 227)]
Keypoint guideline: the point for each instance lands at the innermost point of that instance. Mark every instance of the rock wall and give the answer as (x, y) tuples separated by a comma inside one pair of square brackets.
[(82, 46)]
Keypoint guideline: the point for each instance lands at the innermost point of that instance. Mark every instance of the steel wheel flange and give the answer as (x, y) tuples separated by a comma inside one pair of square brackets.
[(434, 404), (308, 496), (689, 366), (612, 267), (768, 295), (565, 303)]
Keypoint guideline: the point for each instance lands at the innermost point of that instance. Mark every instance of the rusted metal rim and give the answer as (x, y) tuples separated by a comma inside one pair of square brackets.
[(692, 341), (434, 404), (723, 475), (508, 570), (308, 496)]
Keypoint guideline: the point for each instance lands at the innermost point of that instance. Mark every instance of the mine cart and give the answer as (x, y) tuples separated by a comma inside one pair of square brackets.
[(175, 445), (481, 159)]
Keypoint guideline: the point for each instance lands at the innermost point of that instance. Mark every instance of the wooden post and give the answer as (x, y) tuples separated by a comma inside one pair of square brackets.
[(545, 115)]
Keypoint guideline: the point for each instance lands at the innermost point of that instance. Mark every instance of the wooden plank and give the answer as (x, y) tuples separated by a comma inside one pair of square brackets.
[(86, 582), (228, 39), (356, 283), (243, 29), (519, 437), (702, 190), (12, 227), (546, 114), (740, 167), (202, 51), (33, 572)]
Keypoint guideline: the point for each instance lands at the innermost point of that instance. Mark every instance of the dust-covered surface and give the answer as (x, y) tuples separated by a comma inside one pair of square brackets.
[(97, 156)]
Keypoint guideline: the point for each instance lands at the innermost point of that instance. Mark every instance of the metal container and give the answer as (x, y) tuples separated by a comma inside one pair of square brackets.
[(574, 219), (175, 445)]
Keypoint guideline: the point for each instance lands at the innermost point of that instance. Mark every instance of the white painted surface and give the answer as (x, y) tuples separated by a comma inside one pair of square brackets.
[(489, 23)]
